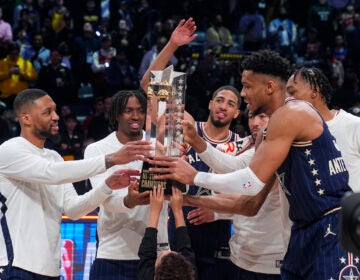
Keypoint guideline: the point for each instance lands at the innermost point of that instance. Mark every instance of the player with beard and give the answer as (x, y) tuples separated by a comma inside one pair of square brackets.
[(210, 241), (121, 225), (258, 243), (299, 149), (36, 189)]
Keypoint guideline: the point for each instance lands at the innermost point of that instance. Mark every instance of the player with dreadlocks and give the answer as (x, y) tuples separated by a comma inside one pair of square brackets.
[(308, 164), (121, 225), (311, 85)]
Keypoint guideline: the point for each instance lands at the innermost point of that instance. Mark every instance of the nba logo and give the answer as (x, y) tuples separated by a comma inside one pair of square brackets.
[(67, 253)]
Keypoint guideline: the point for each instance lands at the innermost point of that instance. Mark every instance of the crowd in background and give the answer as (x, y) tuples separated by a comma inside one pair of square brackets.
[(82, 52)]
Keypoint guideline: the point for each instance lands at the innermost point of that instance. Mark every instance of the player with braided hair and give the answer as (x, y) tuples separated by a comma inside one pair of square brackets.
[(311, 85), (121, 225), (299, 148)]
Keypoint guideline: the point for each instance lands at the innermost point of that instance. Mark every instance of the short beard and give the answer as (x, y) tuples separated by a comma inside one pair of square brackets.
[(56, 138), (218, 123)]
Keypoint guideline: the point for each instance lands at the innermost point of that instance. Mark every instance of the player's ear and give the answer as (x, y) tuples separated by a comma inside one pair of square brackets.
[(25, 118), (270, 87), (237, 113), (314, 94), (210, 105)]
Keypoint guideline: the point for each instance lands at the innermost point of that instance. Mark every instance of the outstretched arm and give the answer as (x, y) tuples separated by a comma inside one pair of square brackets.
[(287, 124), (182, 35), (156, 204), (75, 206), (182, 239), (176, 202), (246, 205), (147, 250)]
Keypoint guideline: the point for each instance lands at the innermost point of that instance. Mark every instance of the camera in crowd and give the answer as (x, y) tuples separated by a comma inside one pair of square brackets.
[(350, 223)]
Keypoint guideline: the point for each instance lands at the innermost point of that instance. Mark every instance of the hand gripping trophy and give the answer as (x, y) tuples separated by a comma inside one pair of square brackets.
[(165, 110)]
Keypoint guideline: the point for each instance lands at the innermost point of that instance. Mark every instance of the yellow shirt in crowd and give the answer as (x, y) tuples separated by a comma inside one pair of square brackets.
[(13, 83)]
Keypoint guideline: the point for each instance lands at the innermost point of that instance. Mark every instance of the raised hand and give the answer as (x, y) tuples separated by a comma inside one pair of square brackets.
[(156, 199), (176, 203), (121, 178), (184, 32), (200, 216), (156, 204), (176, 200)]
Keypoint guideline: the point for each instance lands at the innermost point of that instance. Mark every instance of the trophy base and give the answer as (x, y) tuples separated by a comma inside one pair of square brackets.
[(147, 181)]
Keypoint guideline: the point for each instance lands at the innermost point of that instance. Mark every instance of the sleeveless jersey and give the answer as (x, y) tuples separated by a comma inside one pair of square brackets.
[(313, 177), (208, 237)]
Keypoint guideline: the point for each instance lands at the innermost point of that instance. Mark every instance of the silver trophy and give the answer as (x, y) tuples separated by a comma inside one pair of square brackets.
[(164, 113)]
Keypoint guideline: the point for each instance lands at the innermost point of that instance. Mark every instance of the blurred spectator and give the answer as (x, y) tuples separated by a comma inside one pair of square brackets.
[(26, 12), (230, 73), (99, 127), (121, 39), (151, 36), (347, 95), (322, 17), (121, 74), (252, 28), (58, 14), (72, 138), (145, 19), (124, 12), (346, 19), (120, 35), (103, 27), (339, 50), (48, 33), (5, 130), (309, 48), (353, 42), (101, 61), (282, 34), (82, 57), (15, 74), (21, 39), (5, 30), (336, 77), (218, 36), (168, 27), (66, 34), (89, 13), (63, 111), (150, 56), (201, 84), (24, 24), (36, 52), (65, 52), (97, 109), (6, 35), (57, 81)]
